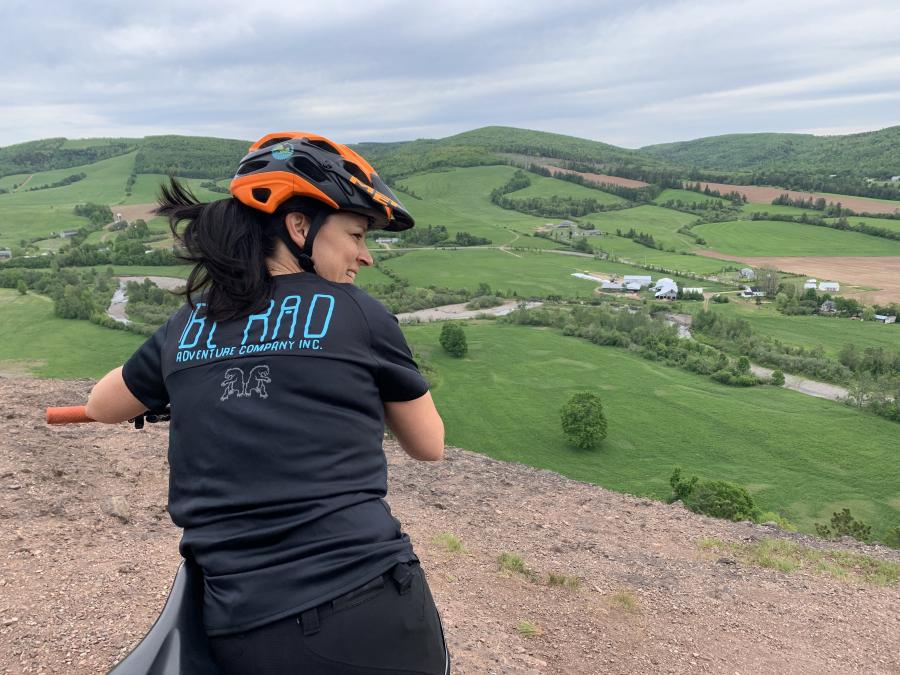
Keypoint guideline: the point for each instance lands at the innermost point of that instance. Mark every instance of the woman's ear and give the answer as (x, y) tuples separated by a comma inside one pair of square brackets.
[(297, 225)]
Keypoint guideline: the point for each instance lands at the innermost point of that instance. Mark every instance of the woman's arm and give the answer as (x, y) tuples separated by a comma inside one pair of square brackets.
[(418, 427), (111, 401)]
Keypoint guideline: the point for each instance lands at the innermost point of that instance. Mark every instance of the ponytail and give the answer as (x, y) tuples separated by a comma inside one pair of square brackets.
[(228, 243)]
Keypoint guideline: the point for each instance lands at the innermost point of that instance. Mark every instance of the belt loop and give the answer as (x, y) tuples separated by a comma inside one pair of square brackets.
[(310, 621)]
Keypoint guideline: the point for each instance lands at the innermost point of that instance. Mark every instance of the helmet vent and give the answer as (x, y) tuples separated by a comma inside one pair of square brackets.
[(261, 194), (249, 167), (324, 145), (273, 141), (308, 168), (354, 170)]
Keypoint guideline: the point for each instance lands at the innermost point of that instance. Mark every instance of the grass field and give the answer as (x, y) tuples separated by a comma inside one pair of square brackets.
[(772, 238), (797, 455), (33, 342), (146, 189), (460, 200), (654, 220), (809, 331), (687, 196), (775, 209), (528, 274), (642, 255), (886, 223), (544, 187)]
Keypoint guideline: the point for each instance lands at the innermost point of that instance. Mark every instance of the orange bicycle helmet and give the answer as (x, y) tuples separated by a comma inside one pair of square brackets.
[(289, 164)]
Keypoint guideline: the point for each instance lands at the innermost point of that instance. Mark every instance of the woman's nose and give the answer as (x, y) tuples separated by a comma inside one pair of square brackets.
[(365, 257)]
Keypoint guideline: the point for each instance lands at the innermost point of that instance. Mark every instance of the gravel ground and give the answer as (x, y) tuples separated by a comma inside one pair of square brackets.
[(79, 586)]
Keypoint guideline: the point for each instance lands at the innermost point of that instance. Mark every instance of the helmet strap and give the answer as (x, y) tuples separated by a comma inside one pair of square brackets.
[(304, 255)]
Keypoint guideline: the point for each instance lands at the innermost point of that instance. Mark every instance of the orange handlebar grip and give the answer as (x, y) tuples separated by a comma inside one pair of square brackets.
[(71, 415)]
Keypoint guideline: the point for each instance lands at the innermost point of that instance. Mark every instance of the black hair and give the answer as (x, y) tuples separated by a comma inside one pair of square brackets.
[(228, 244)]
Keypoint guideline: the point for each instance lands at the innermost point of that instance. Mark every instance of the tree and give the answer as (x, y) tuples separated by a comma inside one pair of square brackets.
[(453, 339), (843, 524), (743, 366), (583, 421), (868, 314), (778, 378), (21, 287), (767, 280), (721, 499)]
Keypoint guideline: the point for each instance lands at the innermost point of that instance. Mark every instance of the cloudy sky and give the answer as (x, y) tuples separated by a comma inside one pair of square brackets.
[(631, 74)]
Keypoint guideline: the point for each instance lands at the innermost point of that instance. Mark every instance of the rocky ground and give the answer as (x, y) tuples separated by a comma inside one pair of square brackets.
[(80, 585)]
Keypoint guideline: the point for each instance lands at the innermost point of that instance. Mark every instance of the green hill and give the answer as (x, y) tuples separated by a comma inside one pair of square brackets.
[(874, 153), (60, 153)]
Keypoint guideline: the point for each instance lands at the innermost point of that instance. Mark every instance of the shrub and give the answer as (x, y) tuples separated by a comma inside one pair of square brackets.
[(583, 421), (453, 340), (681, 488), (892, 538), (778, 378), (844, 524), (721, 499), (484, 301)]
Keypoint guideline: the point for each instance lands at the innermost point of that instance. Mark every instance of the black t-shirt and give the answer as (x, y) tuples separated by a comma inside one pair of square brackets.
[(277, 472)]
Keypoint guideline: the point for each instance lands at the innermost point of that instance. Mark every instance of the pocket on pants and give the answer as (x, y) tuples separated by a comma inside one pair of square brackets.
[(388, 631)]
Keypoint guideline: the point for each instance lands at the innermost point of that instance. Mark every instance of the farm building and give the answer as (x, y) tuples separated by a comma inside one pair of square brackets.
[(68, 233), (829, 286), (637, 279), (884, 318), (668, 293), (5, 253), (747, 273), (611, 285), (810, 283), (587, 275), (665, 282), (633, 286), (752, 292), (387, 240), (894, 179), (692, 289)]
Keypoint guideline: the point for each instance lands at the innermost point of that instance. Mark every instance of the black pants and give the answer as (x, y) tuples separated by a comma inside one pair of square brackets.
[(388, 625)]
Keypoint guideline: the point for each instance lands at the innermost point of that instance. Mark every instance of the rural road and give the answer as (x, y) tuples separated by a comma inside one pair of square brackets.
[(116, 309), (815, 388), (451, 312)]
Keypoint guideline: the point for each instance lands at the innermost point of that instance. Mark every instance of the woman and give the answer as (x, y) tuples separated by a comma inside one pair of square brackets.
[(280, 377)]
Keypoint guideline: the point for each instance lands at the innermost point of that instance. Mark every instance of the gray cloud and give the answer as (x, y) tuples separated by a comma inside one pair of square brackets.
[(633, 74)]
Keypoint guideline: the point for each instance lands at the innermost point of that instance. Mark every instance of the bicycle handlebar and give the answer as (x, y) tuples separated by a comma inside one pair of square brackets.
[(77, 415), (68, 415)]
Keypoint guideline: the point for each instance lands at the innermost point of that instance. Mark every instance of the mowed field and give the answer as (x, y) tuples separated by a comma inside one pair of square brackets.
[(798, 455), (662, 224), (33, 342), (830, 333), (765, 195), (776, 238)]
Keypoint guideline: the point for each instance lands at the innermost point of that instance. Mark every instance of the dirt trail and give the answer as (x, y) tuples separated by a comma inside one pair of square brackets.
[(80, 587), (24, 183), (459, 311)]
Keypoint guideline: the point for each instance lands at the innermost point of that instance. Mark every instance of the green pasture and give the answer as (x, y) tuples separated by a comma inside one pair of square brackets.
[(104, 184), (885, 223), (798, 455), (775, 209), (830, 333), (659, 222), (146, 189), (36, 343), (773, 238), (529, 274), (686, 196), (460, 200), (544, 187), (639, 254)]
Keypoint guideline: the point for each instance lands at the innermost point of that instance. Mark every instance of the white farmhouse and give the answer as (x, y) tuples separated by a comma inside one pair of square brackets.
[(810, 283), (832, 286)]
